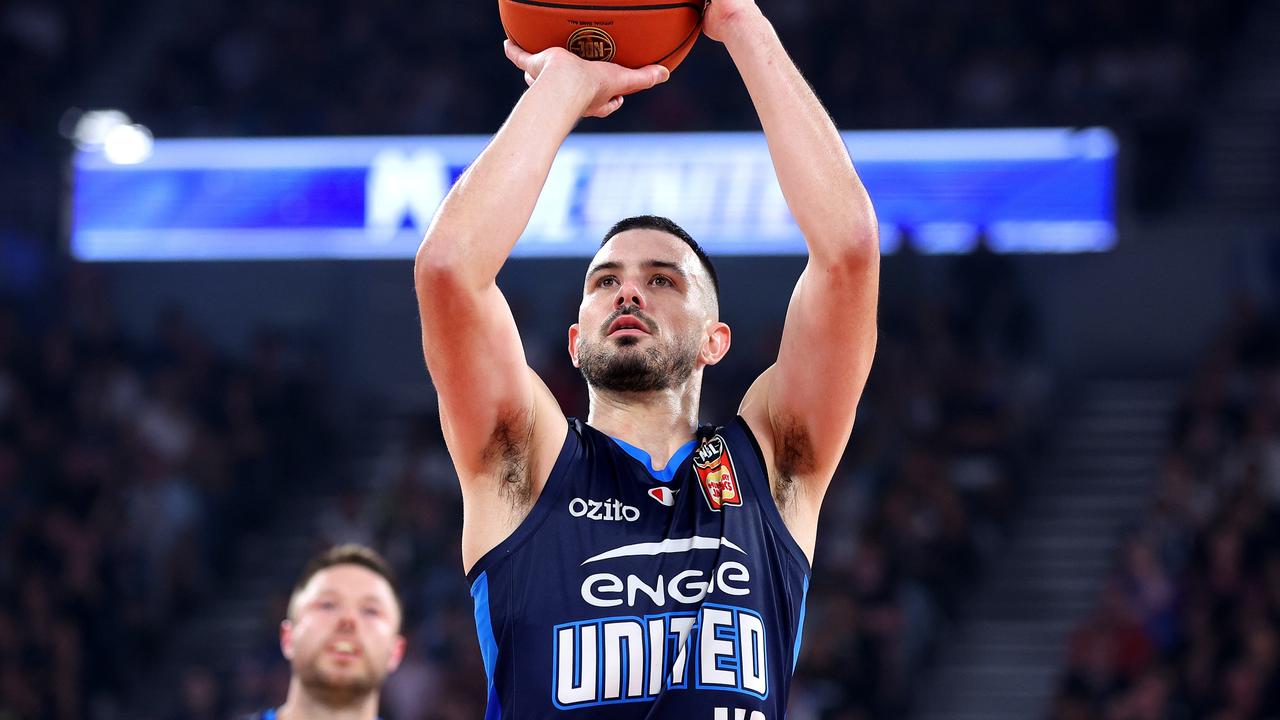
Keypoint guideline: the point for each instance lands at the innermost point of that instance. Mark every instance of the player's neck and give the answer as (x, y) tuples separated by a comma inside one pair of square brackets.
[(303, 705), (658, 422)]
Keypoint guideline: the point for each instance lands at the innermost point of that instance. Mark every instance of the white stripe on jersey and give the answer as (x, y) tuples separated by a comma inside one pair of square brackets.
[(666, 547)]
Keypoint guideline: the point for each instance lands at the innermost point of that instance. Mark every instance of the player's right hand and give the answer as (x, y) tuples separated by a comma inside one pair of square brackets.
[(604, 82)]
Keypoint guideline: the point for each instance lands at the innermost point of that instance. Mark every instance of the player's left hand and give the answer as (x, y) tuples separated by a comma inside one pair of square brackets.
[(720, 18)]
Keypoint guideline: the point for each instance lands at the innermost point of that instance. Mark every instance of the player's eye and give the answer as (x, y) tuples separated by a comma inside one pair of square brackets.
[(607, 281), (661, 281), (371, 612), (326, 605)]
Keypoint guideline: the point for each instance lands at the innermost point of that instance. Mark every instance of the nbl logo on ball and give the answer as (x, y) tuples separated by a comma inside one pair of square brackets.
[(716, 475), (591, 43)]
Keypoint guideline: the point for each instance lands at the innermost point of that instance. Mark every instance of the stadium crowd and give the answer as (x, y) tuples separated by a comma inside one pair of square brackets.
[(238, 67), (319, 67), (128, 467), (1189, 625)]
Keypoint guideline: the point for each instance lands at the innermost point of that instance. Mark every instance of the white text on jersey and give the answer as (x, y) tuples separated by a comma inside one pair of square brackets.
[(609, 510), (633, 659), (606, 590)]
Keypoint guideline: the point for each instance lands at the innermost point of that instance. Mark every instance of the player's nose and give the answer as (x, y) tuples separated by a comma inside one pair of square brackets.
[(347, 619), (629, 294)]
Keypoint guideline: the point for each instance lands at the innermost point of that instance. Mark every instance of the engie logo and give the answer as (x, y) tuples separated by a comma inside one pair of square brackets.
[(716, 476), (608, 510)]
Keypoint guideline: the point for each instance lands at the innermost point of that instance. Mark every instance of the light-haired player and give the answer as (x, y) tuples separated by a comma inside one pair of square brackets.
[(341, 637)]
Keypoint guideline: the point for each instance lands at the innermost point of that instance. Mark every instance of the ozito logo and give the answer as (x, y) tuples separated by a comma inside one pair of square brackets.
[(716, 475), (609, 510)]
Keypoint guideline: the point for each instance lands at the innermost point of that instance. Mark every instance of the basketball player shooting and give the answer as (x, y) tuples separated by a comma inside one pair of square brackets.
[(636, 565)]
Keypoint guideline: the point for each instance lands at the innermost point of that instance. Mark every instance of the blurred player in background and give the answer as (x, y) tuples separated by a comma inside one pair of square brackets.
[(341, 637), (636, 565)]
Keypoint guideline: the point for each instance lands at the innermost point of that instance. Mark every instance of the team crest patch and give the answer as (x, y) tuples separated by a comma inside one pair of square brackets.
[(716, 475)]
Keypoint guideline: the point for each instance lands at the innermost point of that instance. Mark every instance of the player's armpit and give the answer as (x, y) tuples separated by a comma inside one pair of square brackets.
[(802, 409), (517, 464), (489, 402)]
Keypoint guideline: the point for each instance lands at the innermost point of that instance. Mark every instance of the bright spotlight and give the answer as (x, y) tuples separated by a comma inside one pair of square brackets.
[(128, 144), (94, 126)]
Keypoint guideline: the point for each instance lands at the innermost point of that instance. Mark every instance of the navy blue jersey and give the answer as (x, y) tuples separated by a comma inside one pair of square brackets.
[(629, 593)]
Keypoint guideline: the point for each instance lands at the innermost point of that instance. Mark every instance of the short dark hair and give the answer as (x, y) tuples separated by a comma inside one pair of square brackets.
[(666, 225), (350, 554)]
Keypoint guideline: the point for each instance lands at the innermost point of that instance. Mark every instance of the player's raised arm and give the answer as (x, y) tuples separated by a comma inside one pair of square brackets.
[(497, 417), (804, 406)]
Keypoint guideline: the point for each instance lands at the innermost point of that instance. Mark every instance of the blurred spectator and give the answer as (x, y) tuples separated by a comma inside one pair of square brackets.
[(200, 697), (1199, 579), (118, 482)]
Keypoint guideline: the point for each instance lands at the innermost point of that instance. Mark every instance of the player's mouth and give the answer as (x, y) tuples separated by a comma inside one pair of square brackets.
[(343, 649), (627, 326)]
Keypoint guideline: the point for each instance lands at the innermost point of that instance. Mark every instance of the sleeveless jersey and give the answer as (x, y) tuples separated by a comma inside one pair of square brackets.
[(629, 593)]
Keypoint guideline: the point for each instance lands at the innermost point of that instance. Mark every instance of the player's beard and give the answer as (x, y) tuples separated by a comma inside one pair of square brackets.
[(631, 369), (339, 690)]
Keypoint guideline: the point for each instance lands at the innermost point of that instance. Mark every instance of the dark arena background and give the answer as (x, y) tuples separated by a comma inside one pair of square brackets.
[(1061, 496)]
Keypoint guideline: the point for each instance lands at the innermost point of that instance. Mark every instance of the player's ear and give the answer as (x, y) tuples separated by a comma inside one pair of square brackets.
[(397, 654), (575, 335), (716, 345), (286, 639)]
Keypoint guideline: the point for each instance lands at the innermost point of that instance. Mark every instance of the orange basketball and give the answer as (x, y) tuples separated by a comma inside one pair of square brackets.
[(633, 33)]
